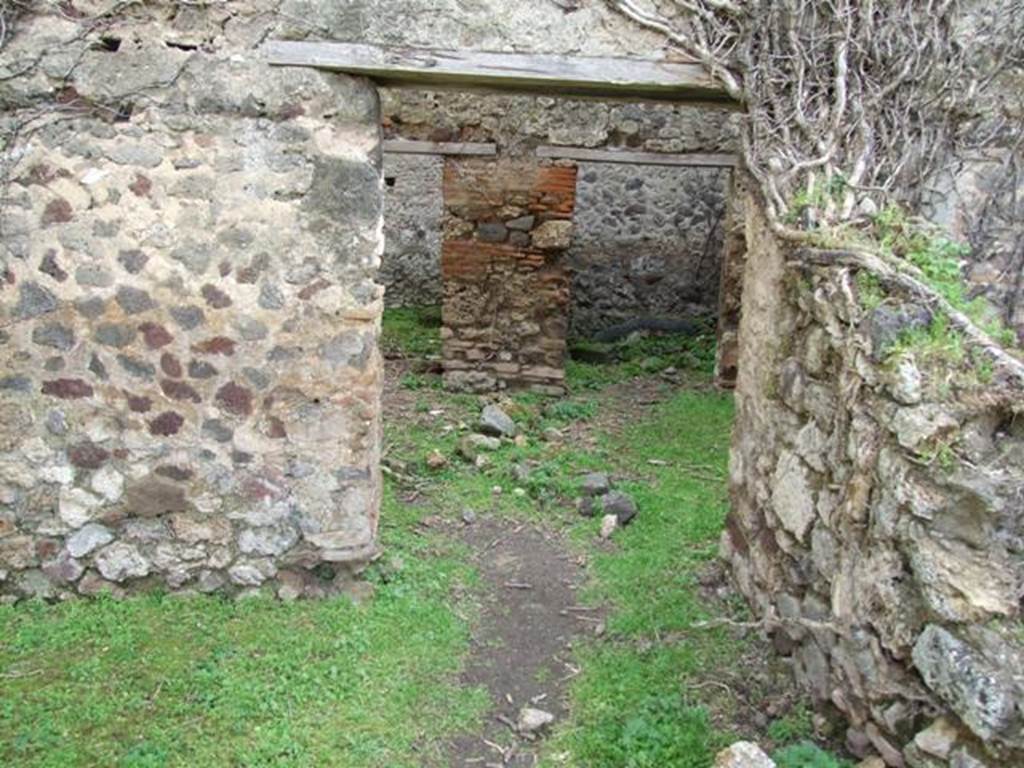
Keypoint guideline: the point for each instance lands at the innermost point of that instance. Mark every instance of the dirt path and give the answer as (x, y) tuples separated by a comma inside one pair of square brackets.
[(522, 646)]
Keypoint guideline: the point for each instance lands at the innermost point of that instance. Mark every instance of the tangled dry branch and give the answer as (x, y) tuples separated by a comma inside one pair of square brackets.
[(849, 104)]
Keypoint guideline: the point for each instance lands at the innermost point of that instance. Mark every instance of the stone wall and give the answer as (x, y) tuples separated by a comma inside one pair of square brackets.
[(520, 123), (877, 519), (506, 291), (411, 266), (647, 244), (190, 387)]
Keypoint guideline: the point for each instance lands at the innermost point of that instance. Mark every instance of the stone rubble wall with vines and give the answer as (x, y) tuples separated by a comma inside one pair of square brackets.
[(877, 481)]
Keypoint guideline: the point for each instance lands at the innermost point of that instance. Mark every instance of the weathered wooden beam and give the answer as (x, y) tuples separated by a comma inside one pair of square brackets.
[(682, 160), (544, 75), (408, 147)]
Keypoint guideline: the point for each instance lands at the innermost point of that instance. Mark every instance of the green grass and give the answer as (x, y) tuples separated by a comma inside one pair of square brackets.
[(631, 704), (166, 681), (807, 755), (638, 356), (411, 331)]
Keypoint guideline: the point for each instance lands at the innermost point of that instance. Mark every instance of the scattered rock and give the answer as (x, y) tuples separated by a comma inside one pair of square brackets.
[(743, 754), (495, 422), (608, 525), (471, 446), (436, 460), (552, 434), (595, 484), (585, 506), (468, 516), (621, 505), (533, 720)]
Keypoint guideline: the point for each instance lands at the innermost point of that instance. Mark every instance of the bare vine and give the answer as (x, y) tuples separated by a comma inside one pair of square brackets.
[(852, 105), (849, 104)]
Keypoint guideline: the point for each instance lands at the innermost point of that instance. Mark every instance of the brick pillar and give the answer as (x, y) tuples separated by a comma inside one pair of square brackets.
[(506, 292)]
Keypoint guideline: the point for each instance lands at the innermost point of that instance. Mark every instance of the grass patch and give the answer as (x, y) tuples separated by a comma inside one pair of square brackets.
[(411, 332), (593, 365), (170, 681), (631, 705), (807, 755)]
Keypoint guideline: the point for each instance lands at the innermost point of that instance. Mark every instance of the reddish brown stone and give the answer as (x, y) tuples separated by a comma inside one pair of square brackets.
[(312, 289), (255, 489), (181, 474), (47, 549), (275, 428), (155, 335), (218, 345), (179, 390), (167, 423), (8, 277), (142, 186), (138, 403), (40, 173), (69, 389), (215, 297), (170, 365), (87, 455), (289, 111), (57, 211), (246, 275), (121, 453), (235, 399), (224, 268)]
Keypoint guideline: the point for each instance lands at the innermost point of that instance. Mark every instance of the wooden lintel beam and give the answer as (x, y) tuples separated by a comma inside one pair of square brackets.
[(682, 160), (543, 75), (463, 148)]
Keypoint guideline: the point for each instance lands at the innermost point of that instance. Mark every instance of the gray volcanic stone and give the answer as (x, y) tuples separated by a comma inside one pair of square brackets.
[(494, 421), (251, 329), (188, 317), (140, 369), (492, 232), (144, 155), (200, 369), (349, 349), (595, 484), (33, 301), (121, 561), (134, 300), (133, 260), (522, 224), (15, 384), (97, 368), (267, 540), (984, 694), (92, 307), (194, 257), (88, 538), (53, 335), (116, 335), (94, 276), (619, 504), (887, 323), (217, 430), (271, 297), (473, 445)]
